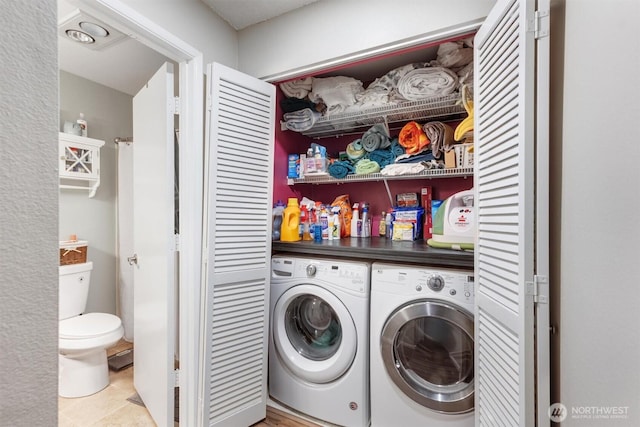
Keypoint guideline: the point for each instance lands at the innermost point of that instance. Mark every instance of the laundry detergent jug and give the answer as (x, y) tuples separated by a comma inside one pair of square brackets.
[(290, 229), (454, 225)]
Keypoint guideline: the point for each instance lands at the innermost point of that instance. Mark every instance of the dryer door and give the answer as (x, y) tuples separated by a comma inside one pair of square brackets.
[(313, 333), (427, 349)]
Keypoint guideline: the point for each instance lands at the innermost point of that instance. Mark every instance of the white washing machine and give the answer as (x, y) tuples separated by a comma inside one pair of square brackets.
[(422, 341), (319, 338)]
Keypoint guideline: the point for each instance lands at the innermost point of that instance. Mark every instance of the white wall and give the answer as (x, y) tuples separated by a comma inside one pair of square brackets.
[(109, 115), (196, 24), (332, 28), (598, 186), (29, 214)]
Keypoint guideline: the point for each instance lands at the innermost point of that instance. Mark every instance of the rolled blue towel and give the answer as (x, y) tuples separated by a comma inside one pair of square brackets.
[(376, 138), (396, 148), (382, 157), (340, 169)]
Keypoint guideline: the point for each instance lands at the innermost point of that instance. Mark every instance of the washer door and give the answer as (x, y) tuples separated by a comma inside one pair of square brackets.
[(313, 333), (427, 350)]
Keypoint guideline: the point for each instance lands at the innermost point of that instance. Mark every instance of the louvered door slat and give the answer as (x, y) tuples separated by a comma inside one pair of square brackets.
[(503, 183), (240, 164)]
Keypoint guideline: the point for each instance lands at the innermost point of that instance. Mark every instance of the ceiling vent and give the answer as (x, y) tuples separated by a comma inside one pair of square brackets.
[(88, 31)]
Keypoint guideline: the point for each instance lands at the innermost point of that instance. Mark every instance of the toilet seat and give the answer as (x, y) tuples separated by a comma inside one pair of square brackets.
[(90, 325), (88, 331)]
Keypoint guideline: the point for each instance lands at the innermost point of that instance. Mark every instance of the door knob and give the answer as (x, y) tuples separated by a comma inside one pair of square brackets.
[(133, 259)]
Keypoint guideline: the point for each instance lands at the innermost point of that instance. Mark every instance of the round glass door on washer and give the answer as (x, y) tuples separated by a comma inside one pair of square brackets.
[(422, 342), (318, 343)]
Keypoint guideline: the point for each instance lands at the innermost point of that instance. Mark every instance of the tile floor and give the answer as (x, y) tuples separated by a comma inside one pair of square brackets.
[(108, 407), (111, 408)]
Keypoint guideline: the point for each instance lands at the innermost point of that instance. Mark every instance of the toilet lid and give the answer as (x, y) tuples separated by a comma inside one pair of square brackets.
[(88, 325)]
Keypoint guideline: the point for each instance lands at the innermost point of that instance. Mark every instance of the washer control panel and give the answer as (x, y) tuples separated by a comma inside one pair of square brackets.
[(354, 276)]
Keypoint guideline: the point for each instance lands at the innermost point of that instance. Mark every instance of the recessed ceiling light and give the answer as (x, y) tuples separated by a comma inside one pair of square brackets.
[(80, 37), (94, 29)]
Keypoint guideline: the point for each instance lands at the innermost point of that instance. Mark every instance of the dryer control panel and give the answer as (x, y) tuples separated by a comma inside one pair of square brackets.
[(452, 285)]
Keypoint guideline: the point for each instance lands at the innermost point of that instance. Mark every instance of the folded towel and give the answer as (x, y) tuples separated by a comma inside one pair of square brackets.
[(297, 88), (423, 156), (396, 148), (366, 166), (441, 137), (355, 150), (301, 120), (402, 169), (454, 54), (289, 105), (340, 169), (382, 157), (375, 138), (424, 83), (389, 82), (336, 92), (413, 138)]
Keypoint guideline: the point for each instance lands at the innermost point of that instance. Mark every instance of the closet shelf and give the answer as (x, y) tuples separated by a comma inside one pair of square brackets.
[(344, 123), (426, 174)]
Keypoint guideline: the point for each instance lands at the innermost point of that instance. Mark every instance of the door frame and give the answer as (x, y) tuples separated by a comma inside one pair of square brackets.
[(191, 122)]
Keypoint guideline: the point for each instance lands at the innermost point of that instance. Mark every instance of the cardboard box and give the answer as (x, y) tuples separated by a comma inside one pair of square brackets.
[(293, 170)]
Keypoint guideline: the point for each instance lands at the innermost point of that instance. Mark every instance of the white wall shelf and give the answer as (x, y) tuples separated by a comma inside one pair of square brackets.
[(79, 162)]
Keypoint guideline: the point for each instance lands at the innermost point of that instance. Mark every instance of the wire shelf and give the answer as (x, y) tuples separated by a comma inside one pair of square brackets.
[(429, 109), (426, 174)]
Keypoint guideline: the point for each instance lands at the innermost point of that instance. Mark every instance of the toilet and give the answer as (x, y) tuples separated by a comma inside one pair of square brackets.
[(83, 338)]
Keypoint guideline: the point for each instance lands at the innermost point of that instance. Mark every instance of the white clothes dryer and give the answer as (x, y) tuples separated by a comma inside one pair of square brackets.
[(422, 341), (319, 338)]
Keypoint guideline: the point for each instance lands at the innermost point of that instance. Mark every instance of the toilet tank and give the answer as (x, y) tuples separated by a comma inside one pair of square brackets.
[(73, 289)]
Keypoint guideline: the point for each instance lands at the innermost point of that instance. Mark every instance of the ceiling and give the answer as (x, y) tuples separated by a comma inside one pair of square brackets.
[(127, 64)]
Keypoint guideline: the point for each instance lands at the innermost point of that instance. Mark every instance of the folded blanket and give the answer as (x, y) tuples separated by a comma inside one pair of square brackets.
[(413, 138), (355, 150), (366, 166), (454, 54), (424, 83), (340, 169), (301, 120), (297, 88), (375, 138), (402, 169), (441, 137), (389, 82), (336, 92)]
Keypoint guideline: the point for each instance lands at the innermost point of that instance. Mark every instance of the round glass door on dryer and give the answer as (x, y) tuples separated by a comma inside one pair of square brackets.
[(427, 351)]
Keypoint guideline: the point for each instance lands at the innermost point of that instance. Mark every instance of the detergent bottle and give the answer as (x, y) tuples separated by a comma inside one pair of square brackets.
[(289, 232), (278, 210)]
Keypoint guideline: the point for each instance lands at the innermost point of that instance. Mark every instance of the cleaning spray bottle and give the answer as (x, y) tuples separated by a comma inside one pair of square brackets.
[(356, 224)]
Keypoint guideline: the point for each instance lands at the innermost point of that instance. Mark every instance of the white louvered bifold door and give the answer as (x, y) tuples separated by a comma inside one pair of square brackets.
[(505, 187), (238, 185)]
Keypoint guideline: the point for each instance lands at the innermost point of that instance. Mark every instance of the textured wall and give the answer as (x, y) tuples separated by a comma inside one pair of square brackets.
[(29, 214)]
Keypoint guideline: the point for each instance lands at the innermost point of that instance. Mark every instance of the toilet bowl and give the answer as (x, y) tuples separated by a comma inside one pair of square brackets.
[(83, 338)]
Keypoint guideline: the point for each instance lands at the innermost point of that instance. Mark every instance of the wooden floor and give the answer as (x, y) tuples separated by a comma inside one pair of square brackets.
[(110, 406)]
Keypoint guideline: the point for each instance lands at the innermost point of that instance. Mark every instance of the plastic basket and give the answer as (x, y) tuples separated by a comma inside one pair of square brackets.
[(73, 252)]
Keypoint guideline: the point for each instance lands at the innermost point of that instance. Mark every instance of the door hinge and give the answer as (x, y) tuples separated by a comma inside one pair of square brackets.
[(539, 289), (175, 107), (176, 377), (541, 24), (177, 242)]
